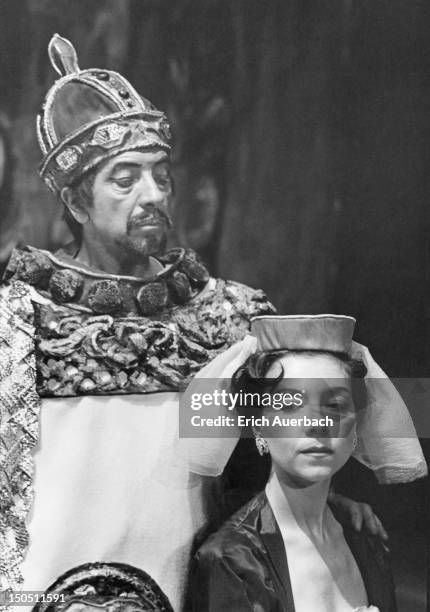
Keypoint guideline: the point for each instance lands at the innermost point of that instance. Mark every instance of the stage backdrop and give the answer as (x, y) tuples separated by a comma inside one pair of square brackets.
[(301, 131), (301, 161)]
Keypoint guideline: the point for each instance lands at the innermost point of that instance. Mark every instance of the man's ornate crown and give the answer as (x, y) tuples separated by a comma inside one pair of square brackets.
[(89, 116)]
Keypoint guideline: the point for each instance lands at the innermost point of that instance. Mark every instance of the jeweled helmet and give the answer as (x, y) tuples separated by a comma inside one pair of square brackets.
[(89, 116)]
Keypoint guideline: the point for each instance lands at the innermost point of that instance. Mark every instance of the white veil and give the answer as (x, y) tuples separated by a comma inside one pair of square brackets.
[(387, 440)]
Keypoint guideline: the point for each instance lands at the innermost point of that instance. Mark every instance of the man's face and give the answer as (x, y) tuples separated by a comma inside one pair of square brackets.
[(131, 197)]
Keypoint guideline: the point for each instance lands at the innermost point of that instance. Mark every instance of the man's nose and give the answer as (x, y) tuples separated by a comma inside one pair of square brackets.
[(150, 193)]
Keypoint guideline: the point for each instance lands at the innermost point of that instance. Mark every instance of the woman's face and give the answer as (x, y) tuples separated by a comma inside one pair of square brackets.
[(310, 450)]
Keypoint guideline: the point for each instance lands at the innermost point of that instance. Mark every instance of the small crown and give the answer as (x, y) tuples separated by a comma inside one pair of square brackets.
[(304, 332), (88, 110)]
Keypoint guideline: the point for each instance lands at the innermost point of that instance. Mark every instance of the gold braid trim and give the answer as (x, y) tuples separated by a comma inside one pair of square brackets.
[(19, 410)]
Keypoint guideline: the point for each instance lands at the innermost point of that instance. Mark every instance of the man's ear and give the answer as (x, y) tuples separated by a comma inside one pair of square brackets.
[(77, 210)]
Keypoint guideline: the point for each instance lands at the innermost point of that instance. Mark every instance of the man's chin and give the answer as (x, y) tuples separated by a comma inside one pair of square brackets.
[(143, 246)]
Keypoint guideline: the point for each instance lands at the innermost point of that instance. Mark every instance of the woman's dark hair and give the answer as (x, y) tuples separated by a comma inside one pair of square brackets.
[(251, 377), (82, 191)]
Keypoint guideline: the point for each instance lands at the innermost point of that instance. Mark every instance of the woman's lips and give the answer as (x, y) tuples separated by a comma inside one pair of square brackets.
[(317, 450)]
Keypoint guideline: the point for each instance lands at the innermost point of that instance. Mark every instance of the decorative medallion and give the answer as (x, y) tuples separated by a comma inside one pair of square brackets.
[(68, 158), (109, 135), (98, 143), (65, 285), (101, 334), (181, 279), (104, 297), (104, 587)]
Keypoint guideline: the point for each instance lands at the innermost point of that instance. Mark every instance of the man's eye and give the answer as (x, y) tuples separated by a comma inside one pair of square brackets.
[(163, 179), (161, 174), (123, 182)]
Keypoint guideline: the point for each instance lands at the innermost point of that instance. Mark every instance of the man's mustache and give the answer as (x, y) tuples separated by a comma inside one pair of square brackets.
[(150, 217)]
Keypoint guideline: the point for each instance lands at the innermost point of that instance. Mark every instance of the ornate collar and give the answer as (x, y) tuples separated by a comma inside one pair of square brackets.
[(65, 282)]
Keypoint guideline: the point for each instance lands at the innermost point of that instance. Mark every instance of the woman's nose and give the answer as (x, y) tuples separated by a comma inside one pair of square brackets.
[(319, 431), (320, 424)]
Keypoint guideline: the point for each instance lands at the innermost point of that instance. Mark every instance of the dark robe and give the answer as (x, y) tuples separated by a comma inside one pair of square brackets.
[(243, 567)]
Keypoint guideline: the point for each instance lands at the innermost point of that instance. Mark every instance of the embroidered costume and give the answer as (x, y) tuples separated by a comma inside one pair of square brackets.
[(91, 366), (91, 369)]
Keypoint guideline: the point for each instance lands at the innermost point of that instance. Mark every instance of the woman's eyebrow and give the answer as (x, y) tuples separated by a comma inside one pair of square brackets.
[(339, 390), (291, 390)]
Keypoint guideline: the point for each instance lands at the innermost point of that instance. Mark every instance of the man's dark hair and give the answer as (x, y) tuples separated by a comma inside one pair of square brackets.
[(82, 191)]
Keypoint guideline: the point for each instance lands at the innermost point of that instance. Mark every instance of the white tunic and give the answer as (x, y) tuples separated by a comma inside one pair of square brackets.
[(108, 486)]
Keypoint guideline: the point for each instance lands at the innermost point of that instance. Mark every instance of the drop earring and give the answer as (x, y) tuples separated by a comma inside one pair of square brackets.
[(354, 441), (261, 444)]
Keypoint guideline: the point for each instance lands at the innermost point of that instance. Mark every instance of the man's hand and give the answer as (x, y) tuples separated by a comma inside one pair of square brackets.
[(361, 515)]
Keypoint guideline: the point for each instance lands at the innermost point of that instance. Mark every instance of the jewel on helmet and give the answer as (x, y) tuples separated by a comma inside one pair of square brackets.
[(89, 115), (68, 158), (109, 135)]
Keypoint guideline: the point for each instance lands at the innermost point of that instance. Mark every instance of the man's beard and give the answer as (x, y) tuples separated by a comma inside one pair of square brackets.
[(149, 243), (143, 247)]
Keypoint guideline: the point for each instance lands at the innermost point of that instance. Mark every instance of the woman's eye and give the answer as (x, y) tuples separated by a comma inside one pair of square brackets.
[(280, 406), (340, 405)]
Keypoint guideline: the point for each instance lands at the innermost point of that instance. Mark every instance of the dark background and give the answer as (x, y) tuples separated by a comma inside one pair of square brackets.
[(301, 162)]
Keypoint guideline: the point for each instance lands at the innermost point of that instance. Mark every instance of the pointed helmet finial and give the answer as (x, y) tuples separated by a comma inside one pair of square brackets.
[(63, 55)]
